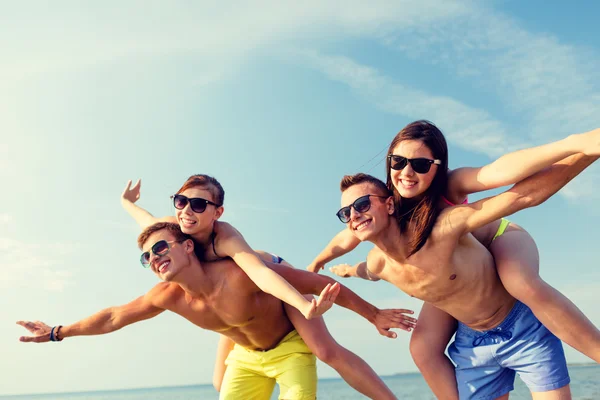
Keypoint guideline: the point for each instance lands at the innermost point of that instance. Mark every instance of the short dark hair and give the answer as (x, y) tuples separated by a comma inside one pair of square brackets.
[(173, 229), (208, 182), (351, 180)]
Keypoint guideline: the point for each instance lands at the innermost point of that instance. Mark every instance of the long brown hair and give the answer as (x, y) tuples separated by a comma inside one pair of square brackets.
[(424, 212)]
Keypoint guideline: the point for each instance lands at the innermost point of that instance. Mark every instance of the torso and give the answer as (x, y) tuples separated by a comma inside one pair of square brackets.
[(251, 318), (457, 276)]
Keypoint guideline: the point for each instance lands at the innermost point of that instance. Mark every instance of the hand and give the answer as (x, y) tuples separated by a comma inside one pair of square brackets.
[(343, 270), (315, 267), (131, 194), (394, 318), (40, 330), (590, 142), (325, 302)]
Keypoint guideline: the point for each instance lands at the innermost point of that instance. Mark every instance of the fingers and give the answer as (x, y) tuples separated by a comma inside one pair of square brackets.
[(30, 326), (127, 188), (33, 339), (387, 333), (137, 184)]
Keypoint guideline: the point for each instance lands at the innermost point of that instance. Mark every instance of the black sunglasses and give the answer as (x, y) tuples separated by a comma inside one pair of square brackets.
[(160, 248), (361, 205), (197, 204), (419, 165)]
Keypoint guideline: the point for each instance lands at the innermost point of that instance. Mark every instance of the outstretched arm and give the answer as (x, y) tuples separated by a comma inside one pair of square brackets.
[(231, 243), (516, 166), (359, 270), (223, 349), (528, 193), (105, 321), (144, 219), (307, 282), (342, 243)]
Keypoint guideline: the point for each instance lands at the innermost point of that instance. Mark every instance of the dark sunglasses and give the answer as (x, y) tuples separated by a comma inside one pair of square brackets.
[(160, 248), (361, 205), (197, 204), (419, 165)]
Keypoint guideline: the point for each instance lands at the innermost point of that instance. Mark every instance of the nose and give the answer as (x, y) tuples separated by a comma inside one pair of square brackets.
[(153, 257), (408, 170), (187, 209), (354, 214)]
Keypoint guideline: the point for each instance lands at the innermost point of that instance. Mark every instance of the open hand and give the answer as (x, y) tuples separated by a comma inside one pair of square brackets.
[(131, 194), (325, 302), (394, 318), (40, 330), (343, 270)]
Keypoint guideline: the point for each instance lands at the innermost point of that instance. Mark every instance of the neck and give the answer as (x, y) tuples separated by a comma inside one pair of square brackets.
[(204, 237), (194, 280), (391, 241)]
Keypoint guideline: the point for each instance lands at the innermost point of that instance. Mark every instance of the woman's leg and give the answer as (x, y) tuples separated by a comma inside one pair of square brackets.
[(427, 345), (353, 369), (517, 262)]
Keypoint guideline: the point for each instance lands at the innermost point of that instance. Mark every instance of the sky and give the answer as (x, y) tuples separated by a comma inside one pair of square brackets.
[(277, 101)]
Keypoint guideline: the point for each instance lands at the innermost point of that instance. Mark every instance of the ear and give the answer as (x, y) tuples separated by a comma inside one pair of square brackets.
[(188, 246), (218, 212), (389, 202)]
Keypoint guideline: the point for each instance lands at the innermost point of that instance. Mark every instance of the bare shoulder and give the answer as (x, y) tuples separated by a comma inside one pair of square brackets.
[(164, 293), (225, 230), (375, 261)]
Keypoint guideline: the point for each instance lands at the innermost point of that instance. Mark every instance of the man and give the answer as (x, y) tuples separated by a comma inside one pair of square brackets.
[(497, 335), (219, 296)]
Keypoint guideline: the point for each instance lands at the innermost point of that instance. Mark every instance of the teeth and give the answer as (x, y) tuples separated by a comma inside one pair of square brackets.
[(362, 225), (162, 266), (408, 183)]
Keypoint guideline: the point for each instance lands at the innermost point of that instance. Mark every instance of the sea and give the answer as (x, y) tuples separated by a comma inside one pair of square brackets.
[(585, 385)]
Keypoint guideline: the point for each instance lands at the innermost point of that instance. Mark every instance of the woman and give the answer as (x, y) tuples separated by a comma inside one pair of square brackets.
[(417, 176)]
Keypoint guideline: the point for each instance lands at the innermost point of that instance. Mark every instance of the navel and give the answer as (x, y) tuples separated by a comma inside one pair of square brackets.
[(452, 277)]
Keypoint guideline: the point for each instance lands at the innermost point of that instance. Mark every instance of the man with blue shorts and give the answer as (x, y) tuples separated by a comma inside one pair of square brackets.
[(497, 336)]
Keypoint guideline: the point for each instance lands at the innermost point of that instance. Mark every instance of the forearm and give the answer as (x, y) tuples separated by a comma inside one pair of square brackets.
[(141, 216), (102, 322), (270, 282), (516, 166), (342, 243), (541, 186)]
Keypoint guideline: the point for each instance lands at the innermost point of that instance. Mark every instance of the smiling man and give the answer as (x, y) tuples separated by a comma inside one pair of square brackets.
[(220, 297)]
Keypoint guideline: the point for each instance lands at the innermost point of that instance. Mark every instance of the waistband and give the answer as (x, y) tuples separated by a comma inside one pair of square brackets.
[(508, 322)]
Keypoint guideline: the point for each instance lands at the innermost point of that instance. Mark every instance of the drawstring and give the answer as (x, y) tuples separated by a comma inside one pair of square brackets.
[(498, 332)]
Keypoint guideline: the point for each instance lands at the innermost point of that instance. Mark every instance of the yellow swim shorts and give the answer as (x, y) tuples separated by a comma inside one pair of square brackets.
[(252, 374)]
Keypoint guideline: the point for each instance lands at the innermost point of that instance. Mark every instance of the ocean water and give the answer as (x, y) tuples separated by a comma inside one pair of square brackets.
[(585, 385)]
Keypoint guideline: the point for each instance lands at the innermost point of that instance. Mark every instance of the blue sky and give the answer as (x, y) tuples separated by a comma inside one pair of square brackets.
[(278, 102)]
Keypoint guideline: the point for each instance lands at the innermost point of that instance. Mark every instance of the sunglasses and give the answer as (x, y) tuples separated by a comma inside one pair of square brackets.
[(160, 248), (419, 165), (361, 205), (197, 204)]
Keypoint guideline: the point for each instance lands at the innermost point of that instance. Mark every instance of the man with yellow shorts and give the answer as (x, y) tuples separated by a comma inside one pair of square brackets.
[(219, 296)]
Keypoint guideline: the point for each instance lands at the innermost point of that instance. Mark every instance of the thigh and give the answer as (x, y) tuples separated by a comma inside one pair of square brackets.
[(242, 383), (564, 393), (298, 382), (478, 374), (314, 332), (434, 329), (535, 354), (517, 260)]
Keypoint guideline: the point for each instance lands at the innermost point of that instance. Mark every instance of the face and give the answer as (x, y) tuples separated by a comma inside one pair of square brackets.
[(168, 263), (192, 222), (407, 181), (365, 225)]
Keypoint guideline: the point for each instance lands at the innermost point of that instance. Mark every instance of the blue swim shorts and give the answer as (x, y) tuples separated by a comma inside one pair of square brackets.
[(486, 362)]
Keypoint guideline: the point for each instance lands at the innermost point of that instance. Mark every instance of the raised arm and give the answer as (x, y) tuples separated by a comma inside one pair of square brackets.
[(308, 282), (105, 321), (342, 243), (231, 243), (528, 193), (223, 349), (516, 166), (144, 219)]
